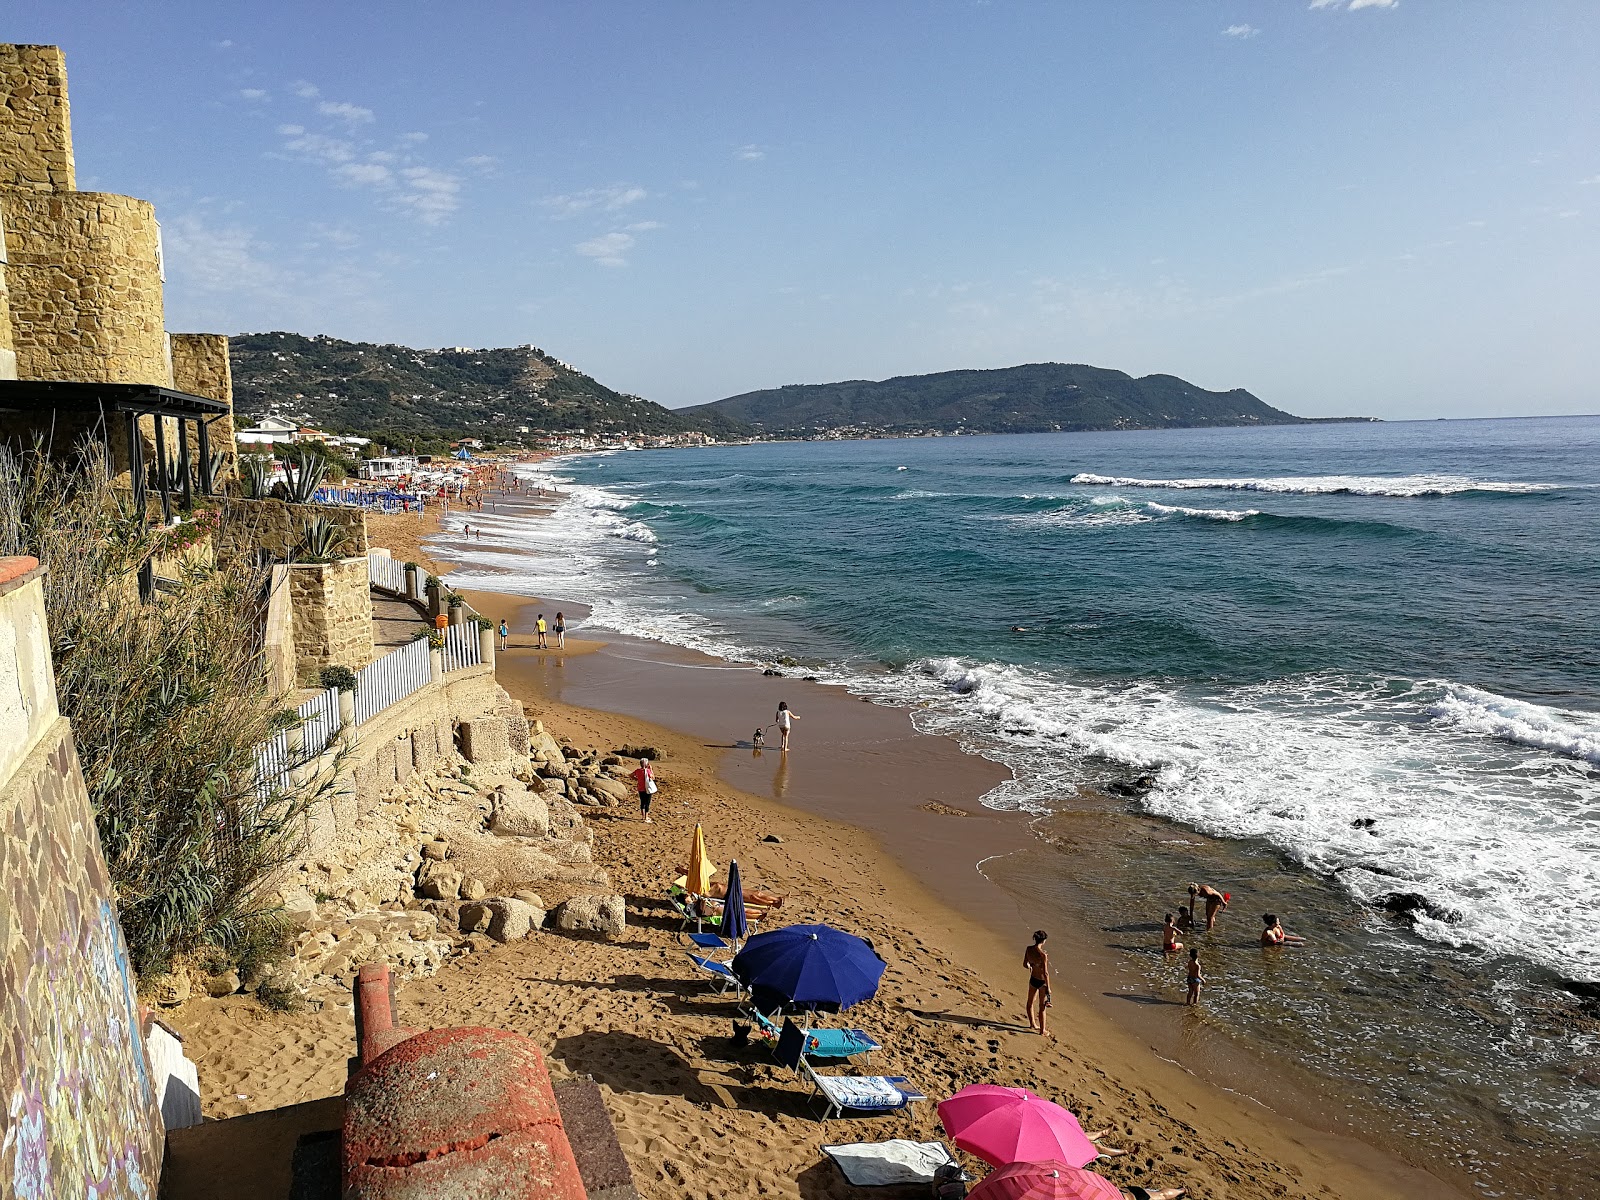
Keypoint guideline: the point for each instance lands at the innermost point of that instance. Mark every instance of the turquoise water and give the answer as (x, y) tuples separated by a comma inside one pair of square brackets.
[(1367, 655)]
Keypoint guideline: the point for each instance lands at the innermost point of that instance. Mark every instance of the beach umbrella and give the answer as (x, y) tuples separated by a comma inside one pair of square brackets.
[(734, 926), (810, 966), (1011, 1125), (697, 880), (1051, 1180)]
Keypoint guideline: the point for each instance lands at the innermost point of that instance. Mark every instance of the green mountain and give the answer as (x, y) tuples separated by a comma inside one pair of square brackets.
[(1027, 399), (395, 393)]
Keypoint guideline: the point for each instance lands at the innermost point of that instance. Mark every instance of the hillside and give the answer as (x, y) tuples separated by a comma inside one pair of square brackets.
[(1026, 399), (396, 393)]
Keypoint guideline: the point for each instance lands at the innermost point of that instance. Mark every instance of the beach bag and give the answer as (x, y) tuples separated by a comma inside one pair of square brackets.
[(949, 1182), (650, 785)]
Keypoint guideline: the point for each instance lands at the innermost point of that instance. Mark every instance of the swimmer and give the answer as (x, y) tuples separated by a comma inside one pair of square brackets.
[(1185, 919), (1275, 935)]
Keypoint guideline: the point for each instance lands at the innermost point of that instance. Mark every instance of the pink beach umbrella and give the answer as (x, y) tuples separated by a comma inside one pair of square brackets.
[(1052, 1180), (1011, 1125)]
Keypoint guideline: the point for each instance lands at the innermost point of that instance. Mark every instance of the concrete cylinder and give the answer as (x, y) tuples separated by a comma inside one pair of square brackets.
[(486, 646), (436, 663), (457, 1112)]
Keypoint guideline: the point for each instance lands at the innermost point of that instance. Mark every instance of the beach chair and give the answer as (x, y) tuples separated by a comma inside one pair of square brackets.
[(705, 941), (683, 904), (820, 1043), (841, 1093), (722, 976)]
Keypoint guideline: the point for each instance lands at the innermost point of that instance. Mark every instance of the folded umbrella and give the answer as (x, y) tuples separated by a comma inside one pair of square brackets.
[(1012, 1125), (1052, 1180), (810, 966), (734, 926), (697, 879)]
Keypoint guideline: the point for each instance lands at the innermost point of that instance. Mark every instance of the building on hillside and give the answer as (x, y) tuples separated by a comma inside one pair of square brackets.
[(268, 431), (84, 352)]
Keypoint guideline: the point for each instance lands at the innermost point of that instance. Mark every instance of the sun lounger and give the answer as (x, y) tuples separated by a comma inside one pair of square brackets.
[(722, 976), (706, 941), (886, 1164), (856, 1093), (823, 1042)]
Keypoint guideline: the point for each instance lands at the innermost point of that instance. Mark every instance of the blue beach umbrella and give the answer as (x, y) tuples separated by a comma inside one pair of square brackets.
[(810, 966), (734, 926)]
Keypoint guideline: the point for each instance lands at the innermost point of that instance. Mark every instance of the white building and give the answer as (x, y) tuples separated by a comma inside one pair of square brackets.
[(267, 431)]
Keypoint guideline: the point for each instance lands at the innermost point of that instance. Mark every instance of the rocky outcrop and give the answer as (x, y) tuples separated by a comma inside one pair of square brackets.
[(602, 916)]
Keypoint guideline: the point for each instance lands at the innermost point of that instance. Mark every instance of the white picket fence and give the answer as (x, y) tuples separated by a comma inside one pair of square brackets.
[(384, 572), (462, 646), (390, 679), (379, 685), (319, 721)]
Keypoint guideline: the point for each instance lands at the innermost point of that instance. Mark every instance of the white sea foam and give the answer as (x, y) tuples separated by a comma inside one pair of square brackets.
[(1574, 734), (1204, 514), (1497, 834), (1323, 485), (1118, 510)]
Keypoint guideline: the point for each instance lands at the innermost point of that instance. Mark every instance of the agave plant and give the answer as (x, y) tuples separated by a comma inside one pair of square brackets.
[(306, 473), (319, 541), (257, 476)]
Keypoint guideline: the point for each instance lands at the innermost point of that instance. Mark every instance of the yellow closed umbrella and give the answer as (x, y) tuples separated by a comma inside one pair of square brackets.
[(697, 881)]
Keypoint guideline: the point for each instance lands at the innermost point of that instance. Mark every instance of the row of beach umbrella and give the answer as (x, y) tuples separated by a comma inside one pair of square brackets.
[(1038, 1146)]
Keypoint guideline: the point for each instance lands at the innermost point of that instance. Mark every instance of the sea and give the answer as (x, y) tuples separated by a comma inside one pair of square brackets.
[(1348, 670)]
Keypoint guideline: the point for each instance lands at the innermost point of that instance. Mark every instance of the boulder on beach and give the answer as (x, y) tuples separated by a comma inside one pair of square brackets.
[(602, 916), (520, 814)]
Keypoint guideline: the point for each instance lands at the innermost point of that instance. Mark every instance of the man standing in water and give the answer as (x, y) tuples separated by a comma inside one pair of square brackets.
[(1038, 964), (785, 722)]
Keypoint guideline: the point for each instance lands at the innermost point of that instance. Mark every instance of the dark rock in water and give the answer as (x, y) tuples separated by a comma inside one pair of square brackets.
[(1363, 822), (1133, 789), (770, 671), (1410, 905), (809, 678)]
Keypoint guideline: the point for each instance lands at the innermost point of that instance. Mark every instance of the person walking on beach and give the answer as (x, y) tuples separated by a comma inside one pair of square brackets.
[(539, 628), (561, 631), (505, 632), (1169, 937), (785, 722), (646, 783), (1215, 901), (1195, 978), (1038, 963)]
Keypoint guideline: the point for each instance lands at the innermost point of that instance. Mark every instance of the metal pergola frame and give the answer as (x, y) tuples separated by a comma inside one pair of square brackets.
[(129, 402)]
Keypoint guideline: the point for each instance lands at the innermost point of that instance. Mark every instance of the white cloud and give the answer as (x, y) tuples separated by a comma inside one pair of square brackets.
[(354, 114), (224, 44), (750, 153), (367, 174), (253, 94), (1240, 31), (1570, 212), (644, 226), (211, 259), (1353, 5), (413, 137), (607, 199), (317, 147), (306, 91), (608, 249), (481, 162), (429, 194), (291, 130), (1588, 181)]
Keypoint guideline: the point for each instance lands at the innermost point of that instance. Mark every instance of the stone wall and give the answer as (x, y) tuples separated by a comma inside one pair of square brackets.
[(275, 526), (332, 606), (84, 282), (200, 367), (277, 638), (8, 353), (35, 121), (79, 1106)]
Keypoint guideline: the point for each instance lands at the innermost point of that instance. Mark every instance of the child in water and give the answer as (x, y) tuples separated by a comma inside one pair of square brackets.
[(1169, 937), (1195, 978)]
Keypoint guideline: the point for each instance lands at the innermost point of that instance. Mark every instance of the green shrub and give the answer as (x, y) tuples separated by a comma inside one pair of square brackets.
[(168, 702), (342, 678)]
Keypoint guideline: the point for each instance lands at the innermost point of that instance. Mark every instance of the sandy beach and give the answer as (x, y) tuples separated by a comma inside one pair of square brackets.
[(877, 830)]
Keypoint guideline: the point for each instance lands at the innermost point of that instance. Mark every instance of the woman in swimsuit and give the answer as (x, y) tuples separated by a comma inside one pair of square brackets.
[(1215, 901), (1038, 964), (1274, 934)]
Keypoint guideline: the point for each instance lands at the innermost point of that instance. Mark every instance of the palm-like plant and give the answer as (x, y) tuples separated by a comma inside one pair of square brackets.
[(257, 477), (306, 472), (319, 541)]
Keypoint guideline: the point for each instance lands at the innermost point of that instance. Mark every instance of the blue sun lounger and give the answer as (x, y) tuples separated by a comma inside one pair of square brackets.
[(822, 1043), (841, 1093), (722, 976)]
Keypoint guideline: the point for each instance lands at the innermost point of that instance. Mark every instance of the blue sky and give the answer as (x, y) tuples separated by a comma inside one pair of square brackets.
[(1346, 206)]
